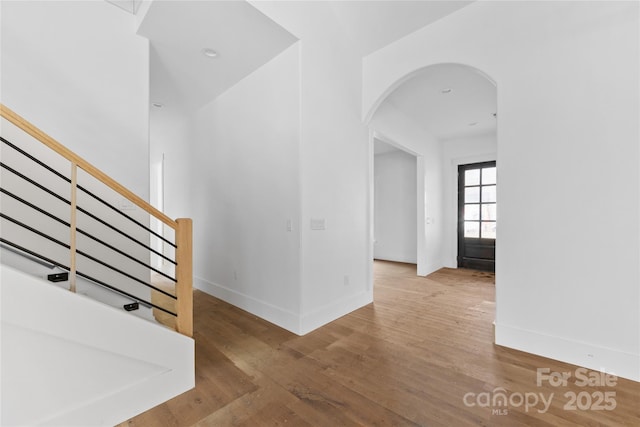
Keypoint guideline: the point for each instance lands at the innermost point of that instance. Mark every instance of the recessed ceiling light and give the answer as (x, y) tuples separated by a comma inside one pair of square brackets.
[(473, 123), (446, 90), (209, 53), (157, 104)]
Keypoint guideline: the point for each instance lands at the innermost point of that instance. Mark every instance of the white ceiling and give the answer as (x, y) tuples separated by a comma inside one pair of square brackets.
[(472, 99), (245, 38), (130, 6), (374, 24), (181, 76), (183, 79)]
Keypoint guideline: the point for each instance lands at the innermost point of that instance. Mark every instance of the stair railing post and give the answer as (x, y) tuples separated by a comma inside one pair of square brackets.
[(184, 276), (72, 227)]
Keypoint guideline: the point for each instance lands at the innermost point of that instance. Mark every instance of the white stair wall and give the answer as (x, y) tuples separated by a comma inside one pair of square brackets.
[(28, 265), (69, 360)]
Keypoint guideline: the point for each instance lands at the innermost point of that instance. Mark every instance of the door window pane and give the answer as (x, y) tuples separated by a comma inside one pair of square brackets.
[(488, 230), (489, 193), (472, 195), (488, 211), (489, 176), (472, 177), (471, 212), (471, 229), (477, 215)]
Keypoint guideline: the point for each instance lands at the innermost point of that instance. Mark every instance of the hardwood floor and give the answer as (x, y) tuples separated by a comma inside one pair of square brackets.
[(413, 358)]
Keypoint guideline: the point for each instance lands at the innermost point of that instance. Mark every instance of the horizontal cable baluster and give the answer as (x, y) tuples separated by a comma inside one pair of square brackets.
[(67, 246), (67, 179), (106, 224), (133, 297), (113, 248), (85, 276), (84, 211), (32, 206), (33, 230), (142, 282), (30, 181), (29, 156), (138, 223), (84, 233)]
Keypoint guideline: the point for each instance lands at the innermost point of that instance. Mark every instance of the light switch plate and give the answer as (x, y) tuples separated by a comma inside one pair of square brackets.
[(318, 224)]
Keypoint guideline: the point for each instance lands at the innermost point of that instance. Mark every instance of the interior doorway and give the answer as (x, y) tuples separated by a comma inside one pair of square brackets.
[(477, 207), (395, 211), (446, 115)]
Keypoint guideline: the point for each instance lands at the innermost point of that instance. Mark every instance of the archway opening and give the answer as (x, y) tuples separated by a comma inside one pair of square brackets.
[(445, 115)]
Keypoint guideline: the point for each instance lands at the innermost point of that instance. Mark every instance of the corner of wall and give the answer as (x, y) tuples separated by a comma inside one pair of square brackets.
[(333, 311), (269, 312)]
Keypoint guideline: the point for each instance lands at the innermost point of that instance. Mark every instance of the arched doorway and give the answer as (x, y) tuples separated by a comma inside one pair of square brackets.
[(446, 115)]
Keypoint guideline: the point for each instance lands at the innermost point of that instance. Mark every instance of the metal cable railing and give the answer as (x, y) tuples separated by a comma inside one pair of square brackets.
[(89, 256), (97, 246), (80, 209), (81, 231), (85, 276)]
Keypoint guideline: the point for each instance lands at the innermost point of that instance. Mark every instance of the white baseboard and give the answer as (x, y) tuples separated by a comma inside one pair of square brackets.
[(621, 364), (288, 320), (333, 311), (269, 312), (396, 258), (429, 267)]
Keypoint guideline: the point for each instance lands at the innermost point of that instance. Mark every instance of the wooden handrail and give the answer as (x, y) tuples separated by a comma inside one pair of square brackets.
[(32, 130)]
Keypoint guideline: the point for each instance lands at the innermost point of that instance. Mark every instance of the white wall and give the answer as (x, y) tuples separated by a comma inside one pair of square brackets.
[(334, 174), (78, 72), (68, 360), (170, 157), (171, 150), (334, 262), (246, 190), (391, 124), (457, 152), (395, 212), (568, 131), (282, 147)]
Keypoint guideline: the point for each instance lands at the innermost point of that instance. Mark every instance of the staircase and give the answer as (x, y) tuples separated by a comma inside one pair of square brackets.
[(96, 290)]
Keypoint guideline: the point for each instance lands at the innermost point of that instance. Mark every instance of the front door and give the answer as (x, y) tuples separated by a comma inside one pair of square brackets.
[(477, 216)]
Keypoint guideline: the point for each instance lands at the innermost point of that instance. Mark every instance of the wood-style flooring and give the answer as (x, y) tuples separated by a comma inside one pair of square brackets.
[(421, 355)]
